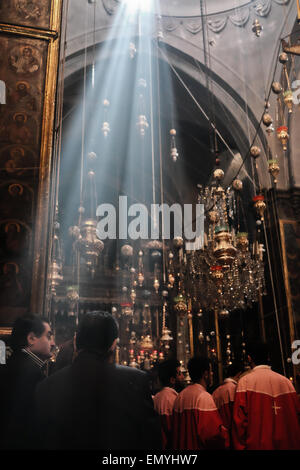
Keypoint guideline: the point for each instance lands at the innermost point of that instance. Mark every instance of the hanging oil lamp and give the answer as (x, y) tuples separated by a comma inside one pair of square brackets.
[(283, 136), (260, 205), (242, 241), (216, 273), (180, 305), (288, 100), (274, 169), (89, 245), (224, 251)]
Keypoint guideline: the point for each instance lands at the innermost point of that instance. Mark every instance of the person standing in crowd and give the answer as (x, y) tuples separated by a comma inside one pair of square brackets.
[(169, 374), (32, 343), (224, 395), (196, 421), (93, 403), (266, 407)]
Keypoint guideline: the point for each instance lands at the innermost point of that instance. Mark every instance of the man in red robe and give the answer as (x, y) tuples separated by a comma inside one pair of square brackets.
[(224, 395), (169, 374), (266, 407), (196, 420)]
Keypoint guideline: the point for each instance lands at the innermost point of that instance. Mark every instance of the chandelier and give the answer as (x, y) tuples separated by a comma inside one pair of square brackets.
[(228, 268)]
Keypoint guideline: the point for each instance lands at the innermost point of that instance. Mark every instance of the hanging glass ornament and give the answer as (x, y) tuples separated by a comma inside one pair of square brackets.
[(267, 119), (127, 251), (237, 185), (255, 151), (283, 58), (276, 88), (257, 28), (283, 136), (274, 169), (218, 174)]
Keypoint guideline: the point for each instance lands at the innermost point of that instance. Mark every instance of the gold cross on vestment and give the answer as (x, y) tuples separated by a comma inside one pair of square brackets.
[(276, 408)]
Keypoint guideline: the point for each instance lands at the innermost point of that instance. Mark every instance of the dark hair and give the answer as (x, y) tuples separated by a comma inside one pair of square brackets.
[(96, 332), (259, 352), (234, 368), (166, 370), (23, 326), (197, 366)]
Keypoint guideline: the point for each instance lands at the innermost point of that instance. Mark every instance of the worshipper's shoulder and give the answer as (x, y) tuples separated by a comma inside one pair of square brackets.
[(130, 375)]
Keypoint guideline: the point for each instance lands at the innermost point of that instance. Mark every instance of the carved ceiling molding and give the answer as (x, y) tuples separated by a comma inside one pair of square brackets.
[(215, 22)]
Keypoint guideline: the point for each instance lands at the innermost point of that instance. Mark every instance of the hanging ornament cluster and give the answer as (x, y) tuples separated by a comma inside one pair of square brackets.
[(174, 152), (105, 126), (142, 123)]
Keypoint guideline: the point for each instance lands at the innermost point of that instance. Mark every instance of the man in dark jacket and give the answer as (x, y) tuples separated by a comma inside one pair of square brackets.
[(93, 403), (32, 342)]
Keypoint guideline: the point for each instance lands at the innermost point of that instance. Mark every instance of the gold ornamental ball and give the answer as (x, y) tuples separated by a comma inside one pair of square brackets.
[(237, 185), (255, 151), (283, 58), (218, 174), (276, 88), (127, 250), (106, 103), (178, 242), (267, 119), (223, 313), (173, 132)]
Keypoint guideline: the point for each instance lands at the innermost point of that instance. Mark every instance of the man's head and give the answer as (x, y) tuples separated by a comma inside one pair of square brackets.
[(33, 333), (169, 372), (97, 332), (199, 369), (235, 369), (258, 354)]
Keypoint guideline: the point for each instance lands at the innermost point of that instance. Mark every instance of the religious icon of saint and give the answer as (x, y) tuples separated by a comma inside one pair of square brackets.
[(22, 96), (24, 60), (18, 131)]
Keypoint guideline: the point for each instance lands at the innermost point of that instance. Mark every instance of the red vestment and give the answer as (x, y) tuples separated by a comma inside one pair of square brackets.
[(224, 397), (163, 405), (197, 422), (266, 412)]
